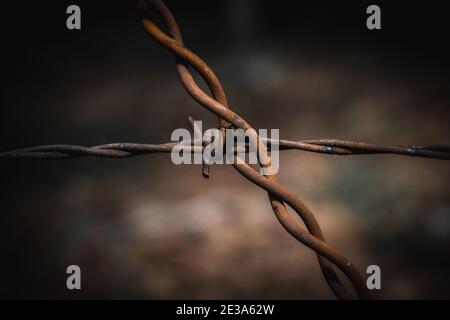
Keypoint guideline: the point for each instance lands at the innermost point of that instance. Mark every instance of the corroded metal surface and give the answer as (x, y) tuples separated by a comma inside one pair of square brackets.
[(329, 257)]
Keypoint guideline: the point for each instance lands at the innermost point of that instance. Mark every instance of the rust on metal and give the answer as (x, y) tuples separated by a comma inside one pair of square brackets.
[(329, 258)]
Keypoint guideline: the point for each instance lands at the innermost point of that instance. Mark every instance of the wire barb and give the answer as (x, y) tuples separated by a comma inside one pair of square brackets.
[(198, 134)]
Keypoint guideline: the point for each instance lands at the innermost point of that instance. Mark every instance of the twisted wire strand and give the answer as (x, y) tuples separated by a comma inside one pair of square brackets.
[(323, 146), (278, 195)]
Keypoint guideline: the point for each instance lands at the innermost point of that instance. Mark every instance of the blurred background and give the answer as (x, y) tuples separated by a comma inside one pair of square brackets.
[(145, 228)]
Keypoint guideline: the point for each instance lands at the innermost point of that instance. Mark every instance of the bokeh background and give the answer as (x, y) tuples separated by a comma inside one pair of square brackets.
[(145, 228)]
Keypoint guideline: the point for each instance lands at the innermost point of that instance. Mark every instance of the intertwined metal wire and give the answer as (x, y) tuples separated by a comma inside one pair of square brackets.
[(328, 256)]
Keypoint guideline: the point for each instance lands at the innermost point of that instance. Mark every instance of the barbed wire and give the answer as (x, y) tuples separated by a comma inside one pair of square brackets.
[(126, 150), (329, 257), (313, 237)]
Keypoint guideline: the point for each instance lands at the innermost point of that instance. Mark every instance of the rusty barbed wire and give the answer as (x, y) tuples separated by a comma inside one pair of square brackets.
[(279, 196), (324, 146), (312, 237)]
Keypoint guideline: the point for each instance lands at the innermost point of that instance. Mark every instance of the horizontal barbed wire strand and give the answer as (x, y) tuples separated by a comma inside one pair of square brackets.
[(324, 146)]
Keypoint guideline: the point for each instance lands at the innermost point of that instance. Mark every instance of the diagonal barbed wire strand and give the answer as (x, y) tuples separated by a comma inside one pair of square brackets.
[(279, 196)]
